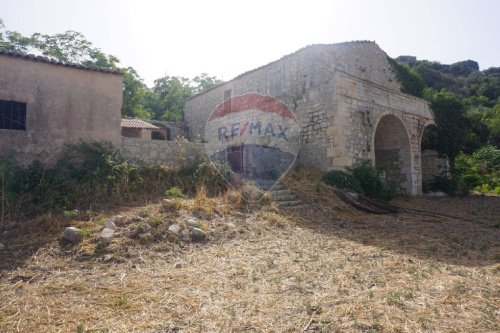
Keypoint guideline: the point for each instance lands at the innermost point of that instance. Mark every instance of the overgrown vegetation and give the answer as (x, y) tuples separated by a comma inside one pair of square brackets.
[(94, 174), (363, 178), (466, 106)]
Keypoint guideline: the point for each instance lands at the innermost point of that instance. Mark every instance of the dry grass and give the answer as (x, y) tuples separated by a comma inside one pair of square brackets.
[(323, 268)]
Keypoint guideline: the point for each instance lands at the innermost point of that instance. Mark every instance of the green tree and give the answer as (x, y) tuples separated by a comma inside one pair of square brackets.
[(134, 95), (204, 82), (491, 118), (451, 121), (171, 92)]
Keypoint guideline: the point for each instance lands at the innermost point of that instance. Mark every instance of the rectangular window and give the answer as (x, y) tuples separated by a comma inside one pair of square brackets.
[(12, 115)]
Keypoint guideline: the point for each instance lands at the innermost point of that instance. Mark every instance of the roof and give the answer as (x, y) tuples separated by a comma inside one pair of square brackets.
[(137, 123), (32, 57)]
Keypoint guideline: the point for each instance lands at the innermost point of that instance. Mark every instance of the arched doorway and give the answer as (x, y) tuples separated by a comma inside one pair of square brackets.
[(392, 153)]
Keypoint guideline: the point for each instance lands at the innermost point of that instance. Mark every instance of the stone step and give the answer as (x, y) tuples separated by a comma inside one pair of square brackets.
[(284, 197), (288, 203), (280, 192)]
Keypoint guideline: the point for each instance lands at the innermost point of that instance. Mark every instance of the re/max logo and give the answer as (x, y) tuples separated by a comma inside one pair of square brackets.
[(251, 128)]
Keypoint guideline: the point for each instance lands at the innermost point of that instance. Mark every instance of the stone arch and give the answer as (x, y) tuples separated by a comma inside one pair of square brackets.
[(393, 153)]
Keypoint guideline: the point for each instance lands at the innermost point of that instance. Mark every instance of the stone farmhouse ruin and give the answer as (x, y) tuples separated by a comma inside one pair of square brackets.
[(349, 105), (346, 98)]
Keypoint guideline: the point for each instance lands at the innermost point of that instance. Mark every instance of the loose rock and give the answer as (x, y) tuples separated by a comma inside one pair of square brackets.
[(193, 223), (198, 235), (108, 223), (2, 247), (178, 265), (106, 238), (175, 229), (72, 235)]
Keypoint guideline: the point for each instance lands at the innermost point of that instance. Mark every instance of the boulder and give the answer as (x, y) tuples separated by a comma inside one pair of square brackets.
[(2, 247)]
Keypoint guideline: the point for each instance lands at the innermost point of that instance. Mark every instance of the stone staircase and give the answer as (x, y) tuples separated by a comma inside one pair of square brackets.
[(280, 194)]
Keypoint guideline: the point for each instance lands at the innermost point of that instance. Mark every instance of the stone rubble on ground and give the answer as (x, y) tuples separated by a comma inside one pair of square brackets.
[(198, 234), (193, 223), (105, 238), (108, 223), (72, 234), (2, 247), (174, 229)]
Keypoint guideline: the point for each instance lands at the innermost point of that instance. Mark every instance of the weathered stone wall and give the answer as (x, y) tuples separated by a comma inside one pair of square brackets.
[(339, 94), (433, 166), (64, 105), (169, 153)]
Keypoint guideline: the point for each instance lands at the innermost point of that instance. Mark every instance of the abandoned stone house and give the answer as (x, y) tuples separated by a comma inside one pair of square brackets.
[(349, 105), (346, 98), (46, 104)]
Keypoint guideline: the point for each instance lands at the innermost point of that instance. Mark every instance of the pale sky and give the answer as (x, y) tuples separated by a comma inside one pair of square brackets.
[(227, 38)]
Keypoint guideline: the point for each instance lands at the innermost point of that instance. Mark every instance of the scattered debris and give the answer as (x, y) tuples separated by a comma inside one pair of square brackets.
[(105, 238), (178, 264)]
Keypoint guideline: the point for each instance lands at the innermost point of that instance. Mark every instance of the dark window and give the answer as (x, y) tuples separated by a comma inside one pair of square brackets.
[(12, 115)]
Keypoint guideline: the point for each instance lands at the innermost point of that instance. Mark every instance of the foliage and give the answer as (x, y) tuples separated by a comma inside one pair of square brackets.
[(410, 80), (342, 179), (450, 119), (174, 192), (165, 101), (479, 171), (363, 178)]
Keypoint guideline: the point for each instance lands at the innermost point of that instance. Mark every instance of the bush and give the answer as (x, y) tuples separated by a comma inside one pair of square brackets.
[(342, 179), (92, 174), (479, 171), (363, 178)]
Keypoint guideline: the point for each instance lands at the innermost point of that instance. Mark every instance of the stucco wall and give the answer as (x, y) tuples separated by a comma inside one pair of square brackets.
[(64, 105)]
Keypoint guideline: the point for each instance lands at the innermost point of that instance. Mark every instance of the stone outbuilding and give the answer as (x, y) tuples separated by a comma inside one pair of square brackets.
[(349, 105), (45, 104), (139, 129)]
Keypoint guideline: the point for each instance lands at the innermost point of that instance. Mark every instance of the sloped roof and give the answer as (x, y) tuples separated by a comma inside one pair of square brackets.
[(137, 123), (32, 57)]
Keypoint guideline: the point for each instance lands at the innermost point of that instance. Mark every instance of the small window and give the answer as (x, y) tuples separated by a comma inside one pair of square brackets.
[(12, 115)]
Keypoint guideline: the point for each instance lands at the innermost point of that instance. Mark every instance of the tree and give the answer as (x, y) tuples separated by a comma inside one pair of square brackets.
[(204, 82), (451, 121), (134, 95), (491, 118), (171, 92)]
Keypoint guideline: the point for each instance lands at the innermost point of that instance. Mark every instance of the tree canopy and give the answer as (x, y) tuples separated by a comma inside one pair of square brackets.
[(165, 100)]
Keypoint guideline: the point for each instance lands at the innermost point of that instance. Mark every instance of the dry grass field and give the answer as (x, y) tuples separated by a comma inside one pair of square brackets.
[(324, 267)]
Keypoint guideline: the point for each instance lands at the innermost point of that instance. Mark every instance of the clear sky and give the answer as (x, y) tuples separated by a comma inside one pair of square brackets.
[(226, 38)]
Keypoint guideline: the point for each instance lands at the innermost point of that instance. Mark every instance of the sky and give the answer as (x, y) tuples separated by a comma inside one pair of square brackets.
[(226, 38)]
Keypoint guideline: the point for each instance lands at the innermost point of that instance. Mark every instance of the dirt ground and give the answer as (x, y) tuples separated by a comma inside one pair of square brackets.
[(324, 267)]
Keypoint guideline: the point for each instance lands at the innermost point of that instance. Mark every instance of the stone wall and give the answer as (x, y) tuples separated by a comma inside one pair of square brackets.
[(433, 165), (63, 105), (168, 153), (339, 94)]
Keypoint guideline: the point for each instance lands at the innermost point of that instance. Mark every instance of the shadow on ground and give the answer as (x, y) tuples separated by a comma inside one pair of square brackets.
[(471, 242)]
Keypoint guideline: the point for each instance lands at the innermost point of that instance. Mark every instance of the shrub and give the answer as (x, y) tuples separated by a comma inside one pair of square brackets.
[(342, 179), (479, 171), (363, 178)]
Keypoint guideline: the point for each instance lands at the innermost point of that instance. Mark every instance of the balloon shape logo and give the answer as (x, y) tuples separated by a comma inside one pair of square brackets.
[(253, 137)]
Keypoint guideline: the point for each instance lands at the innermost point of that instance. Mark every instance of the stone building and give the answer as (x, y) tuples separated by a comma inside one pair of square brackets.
[(349, 105), (46, 104), (139, 129)]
